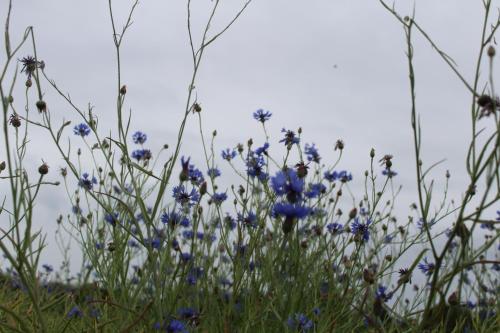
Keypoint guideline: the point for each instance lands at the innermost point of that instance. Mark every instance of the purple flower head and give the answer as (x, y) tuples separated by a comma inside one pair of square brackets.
[(249, 220), (81, 130), (389, 173), (219, 198), (184, 198), (312, 153), (48, 268), (291, 211), (335, 228), (427, 267), (255, 167), (228, 154), (139, 137), (361, 230), (74, 312), (288, 183), (213, 172), (315, 190), (173, 219), (262, 150), (142, 154), (86, 182), (381, 293), (290, 138), (300, 323), (262, 116)]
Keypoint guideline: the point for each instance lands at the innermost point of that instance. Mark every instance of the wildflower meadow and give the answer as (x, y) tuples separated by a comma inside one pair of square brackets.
[(267, 234)]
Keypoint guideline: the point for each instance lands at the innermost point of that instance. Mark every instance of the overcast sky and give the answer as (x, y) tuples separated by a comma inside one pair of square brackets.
[(337, 68)]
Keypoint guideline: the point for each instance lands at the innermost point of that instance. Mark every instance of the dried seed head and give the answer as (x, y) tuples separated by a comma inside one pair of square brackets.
[(64, 172), (196, 107), (43, 169), (2, 166), (15, 121), (491, 51), (123, 90), (41, 106), (353, 213), (484, 100), (29, 83), (339, 145)]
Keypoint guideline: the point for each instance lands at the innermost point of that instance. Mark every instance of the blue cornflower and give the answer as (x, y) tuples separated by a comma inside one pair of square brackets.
[(188, 313), (361, 230), (86, 182), (255, 167), (173, 219), (343, 176), (188, 234), (142, 154), (427, 267), (99, 245), (185, 256), (261, 115), (228, 154), (74, 312), (335, 228), (487, 226), (288, 183), (381, 293), (183, 197), (200, 235), (81, 130), (262, 150), (312, 153), (48, 268), (389, 173), (290, 138), (292, 211), (421, 224), (219, 198), (213, 172), (230, 222), (315, 190), (111, 218), (300, 322), (133, 243), (195, 175), (176, 326), (250, 220), (139, 137)]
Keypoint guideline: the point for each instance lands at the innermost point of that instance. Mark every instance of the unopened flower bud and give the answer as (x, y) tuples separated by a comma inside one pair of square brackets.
[(491, 51), (353, 213), (29, 83), (41, 106), (123, 90), (372, 153), (2, 166), (196, 107), (43, 169)]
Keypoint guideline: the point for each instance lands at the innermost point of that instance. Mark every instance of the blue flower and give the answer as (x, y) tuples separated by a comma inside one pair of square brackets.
[(250, 220), (262, 150), (139, 137), (219, 198), (188, 234), (421, 224), (176, 326), (195, 175), (294, 211), (261, 115), (142, 154), (81, 130), (335, 228), (315, 190), (300, 322), (188, 313), (427, 267), (381, 293), (498, 217), (111, 218), (213, 172), (75, 312), (183, 197), (228, 154), (389, 173), (185, 256), (288, 183), (343, 176), (361, 230), (255, 167), (86, 182), (48, 268), (290, 138), (312, 153), (173, 219)]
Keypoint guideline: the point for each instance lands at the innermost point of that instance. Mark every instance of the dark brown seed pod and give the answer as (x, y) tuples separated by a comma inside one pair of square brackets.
[(43, 169)]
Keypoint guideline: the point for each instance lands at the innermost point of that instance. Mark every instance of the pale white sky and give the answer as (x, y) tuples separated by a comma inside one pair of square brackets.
[(337, 68)]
